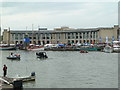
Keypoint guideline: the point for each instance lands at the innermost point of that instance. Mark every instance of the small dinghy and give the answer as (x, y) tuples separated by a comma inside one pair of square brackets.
[(83, 51), (14, 57), (41, 55)]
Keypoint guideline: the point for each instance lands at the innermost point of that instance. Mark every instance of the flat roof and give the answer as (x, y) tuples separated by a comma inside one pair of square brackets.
[(54, 31)]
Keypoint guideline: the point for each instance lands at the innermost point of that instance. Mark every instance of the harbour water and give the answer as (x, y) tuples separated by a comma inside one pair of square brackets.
[(65, 69)]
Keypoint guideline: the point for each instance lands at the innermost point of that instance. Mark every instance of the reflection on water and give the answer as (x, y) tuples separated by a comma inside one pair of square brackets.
[(66, 69)]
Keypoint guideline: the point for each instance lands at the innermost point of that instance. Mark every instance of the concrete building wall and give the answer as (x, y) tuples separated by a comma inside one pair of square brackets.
[(109, 32), (5, 36)]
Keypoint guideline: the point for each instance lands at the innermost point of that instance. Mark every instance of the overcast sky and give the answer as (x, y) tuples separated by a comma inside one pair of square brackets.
[(19, 15)]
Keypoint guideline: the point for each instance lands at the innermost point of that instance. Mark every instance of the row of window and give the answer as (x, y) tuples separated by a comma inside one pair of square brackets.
[(58, 36), (48, 34), (69, 41)]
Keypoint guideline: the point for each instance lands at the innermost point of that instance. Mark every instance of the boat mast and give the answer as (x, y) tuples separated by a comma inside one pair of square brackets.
[(32, 35), (26, 36), (26, 30)]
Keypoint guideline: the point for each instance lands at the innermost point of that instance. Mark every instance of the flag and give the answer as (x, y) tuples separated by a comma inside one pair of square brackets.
[(100, 39), (113, 38), (106, 39), (26, 40)]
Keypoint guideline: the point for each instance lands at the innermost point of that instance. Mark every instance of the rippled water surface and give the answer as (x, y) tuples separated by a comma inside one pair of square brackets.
[(65, 69)]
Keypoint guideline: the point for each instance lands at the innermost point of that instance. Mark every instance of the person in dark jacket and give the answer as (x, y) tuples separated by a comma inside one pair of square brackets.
[(5, 70)]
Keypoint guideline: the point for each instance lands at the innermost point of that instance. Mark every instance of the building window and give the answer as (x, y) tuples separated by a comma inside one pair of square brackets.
[(47, 37), (80, 41), (39, 42), (90, 41), (76, 37), (16, 38), (87, 41), (21, 42), (34, 37), (43, 37), (84, 41), (13, 36), (72, 41), (34, 42), (68, 37), (76, 41), (30, 37), (93, 34), (48, 42), (30, 34), (76, 33), (68, 33), (72, 36), (80, 37), (21, 36), (87, 36), (84, 35), (38, 37)]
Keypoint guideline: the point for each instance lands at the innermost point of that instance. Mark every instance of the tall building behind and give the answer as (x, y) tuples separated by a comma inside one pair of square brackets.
[(63, 35)]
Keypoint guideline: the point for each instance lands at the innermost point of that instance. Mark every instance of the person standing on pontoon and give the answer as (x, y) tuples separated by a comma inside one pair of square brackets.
[(5, 70)]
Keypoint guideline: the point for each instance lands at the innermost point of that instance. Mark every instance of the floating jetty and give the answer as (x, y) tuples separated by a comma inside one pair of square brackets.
[(16, 82), (24, 79)]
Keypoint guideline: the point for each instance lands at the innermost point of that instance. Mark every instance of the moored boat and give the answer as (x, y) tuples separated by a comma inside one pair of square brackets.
[(83, 51), (35, 47), (7, 47), (108, 49), (41, 55), (116, 46), (89, 49)]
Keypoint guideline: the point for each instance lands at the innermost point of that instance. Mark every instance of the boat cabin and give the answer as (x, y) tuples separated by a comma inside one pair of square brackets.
[(41, 55)]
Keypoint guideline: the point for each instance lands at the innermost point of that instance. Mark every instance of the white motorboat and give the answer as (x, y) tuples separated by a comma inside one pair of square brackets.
[(108, 49), (116, 46)]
